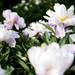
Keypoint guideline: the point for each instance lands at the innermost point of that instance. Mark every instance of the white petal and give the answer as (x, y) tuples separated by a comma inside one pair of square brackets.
[(70, 11), (13, 16), (21, 23), (60, 10), (29, 32), (50, 13), (34, 54), (48, 57), (13, 34), (6, 14), (54, 72), (17, 26), (54, 21), (60, 32), (46, 17), (11, 42), (8, 25), (70, 21), (69, 48)]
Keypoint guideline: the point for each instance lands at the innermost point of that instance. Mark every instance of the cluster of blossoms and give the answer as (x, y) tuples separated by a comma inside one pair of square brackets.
[(48, 59), (36, 28), (6, 33), (52, 59), (60, 18)]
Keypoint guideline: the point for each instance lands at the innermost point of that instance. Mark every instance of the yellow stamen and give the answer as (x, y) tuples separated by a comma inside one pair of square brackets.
[(43, 45), (62, 19)]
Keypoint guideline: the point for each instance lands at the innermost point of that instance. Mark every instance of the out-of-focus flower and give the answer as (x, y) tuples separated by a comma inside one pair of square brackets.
[(60, 18), (2, 72), (8, 36), (28, 32), (51, 59), (13, 19), (34, 28)]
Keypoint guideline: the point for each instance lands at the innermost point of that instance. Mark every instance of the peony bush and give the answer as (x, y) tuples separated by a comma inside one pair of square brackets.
[(44, 47)]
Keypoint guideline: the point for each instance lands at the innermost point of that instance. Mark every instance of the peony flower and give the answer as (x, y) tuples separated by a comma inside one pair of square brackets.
[(13, 19), (34, 28), (51, 59), (60, 18), (28, 32), (8, 36), (2, 72)]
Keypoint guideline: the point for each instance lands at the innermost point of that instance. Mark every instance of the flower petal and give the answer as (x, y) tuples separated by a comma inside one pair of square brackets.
[(11, 42), (60, 10), (50, 13), (70, 21), (21, 23), (70, 11), (46, 17), (6, 14), (60, 31), (69, 47), (34, 55), (29, 32)]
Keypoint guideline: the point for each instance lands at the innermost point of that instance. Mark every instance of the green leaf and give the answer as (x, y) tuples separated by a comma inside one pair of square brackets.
[(22, 63), (73, 68), (63, 40), (46, 37), (9, 70)]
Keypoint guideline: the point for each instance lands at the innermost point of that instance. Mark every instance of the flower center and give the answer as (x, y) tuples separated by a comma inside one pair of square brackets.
[(62, 19)]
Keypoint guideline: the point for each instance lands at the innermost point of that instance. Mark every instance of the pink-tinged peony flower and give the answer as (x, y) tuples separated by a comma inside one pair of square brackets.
[(60, 18), (51, 59), (8, 36), (13, 19)]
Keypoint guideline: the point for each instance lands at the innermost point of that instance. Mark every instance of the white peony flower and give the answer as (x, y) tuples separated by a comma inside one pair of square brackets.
[(34, 28), (60, 18), (51, 59), (8, 36), (29, 32), (62, 14), (13, 19)]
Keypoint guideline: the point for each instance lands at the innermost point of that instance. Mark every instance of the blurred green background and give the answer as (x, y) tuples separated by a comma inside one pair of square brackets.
[(31, 10)]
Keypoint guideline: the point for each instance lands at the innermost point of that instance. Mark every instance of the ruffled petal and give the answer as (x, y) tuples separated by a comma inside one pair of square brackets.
[(70, 21), (6, 14), (29, 32), (13, 34), (69, 48), (60, 31), (70, 11), (46, 17), (50, 13), (11, 42), (60, 10), (21, 23)]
